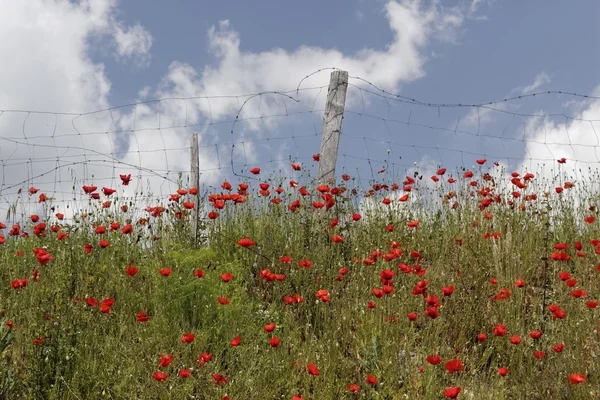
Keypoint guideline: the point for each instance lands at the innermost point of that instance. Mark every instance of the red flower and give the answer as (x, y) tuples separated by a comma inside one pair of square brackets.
[(226, 277), (296, 167), (448, 290), (19, 283), (235, 342), (535, 334), (165, 271), (539, 354), (255, 171), (188, 338), (590, 219), (371, 380), (481, 162), (481, 337), (125, 179), (520, 283), (576, 378), (502, 371), (353, 387), (274, 341), (452, 392), (412, 316), (500, 330), (160, 376), (223, 300), (245, 242), (515, 339), (454, 365), (433, 360), (104, 243), (269, 328), (184, 373), (92, 302), (219, 379), (131, 271), (199, 273), (558, 348), (313, 370), (165, 360), (142, 317)]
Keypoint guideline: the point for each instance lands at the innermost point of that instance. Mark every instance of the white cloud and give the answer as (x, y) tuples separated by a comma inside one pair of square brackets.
[(133, 43), (540, 79), (46, 66)]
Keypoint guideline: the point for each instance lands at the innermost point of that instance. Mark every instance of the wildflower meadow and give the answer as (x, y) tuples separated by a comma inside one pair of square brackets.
[(468, 283)]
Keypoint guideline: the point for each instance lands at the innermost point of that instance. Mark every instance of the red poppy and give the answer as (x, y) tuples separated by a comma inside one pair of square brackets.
[(131, 271), (223, 300), (245, 242), (558, 348), (502, 371), (412, 316), (535, 334), (104, 244), (576, 378), (448, 290), (184, 373), (481, 162), (515, 339), (235, 342), (270, 327), (165, 271), (226, 277), (481, 337), (255, 171), (142, 316), (433, 360), (219, 379), (454, 366), (274, 341), (539, 354), (199, 273), (188, 338), (296, 167), (452, 392), (165, 360), (500, 330), (353, 387), (160, 376), (313, 370), (92, 302)]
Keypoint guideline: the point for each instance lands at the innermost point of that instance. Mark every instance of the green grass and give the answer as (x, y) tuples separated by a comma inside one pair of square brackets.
[(87, 354)]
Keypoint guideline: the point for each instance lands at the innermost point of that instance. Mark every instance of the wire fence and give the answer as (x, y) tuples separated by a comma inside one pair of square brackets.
[(383, 136)]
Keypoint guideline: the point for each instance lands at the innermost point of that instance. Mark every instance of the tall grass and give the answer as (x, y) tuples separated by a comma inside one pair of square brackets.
[(89, 354)]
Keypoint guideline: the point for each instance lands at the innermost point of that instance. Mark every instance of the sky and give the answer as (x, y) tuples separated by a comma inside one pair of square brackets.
[(80, 83)]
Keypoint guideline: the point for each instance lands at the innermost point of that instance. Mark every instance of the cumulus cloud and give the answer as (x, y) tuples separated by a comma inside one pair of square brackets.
[(46, 66)]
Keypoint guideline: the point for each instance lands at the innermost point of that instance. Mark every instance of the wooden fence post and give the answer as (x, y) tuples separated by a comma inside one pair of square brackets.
[(332, 126), (195, 168)]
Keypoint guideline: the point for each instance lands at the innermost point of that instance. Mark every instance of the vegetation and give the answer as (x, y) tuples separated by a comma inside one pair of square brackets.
[(475, 285)]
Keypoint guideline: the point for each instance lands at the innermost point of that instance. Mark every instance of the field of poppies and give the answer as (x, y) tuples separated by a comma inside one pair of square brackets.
[(467, 283)]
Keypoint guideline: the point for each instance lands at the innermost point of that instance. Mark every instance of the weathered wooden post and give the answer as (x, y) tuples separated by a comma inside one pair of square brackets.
[(332, 126), (195, 182)]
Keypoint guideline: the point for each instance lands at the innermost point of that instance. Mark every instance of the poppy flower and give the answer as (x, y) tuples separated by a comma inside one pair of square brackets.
[(165, 360), (502, 371), (515, 339), (255, 171), (274, 341), (131, 271), (226, 277), (270, 327), (125, 179), (562, 160), (92, 302), (500, 330), (441, 171), (353, 387), (245, 242), (104, 244), (199, 273), (19, 283), (412, 316), (433, 360), (142, 316), (235, 342), (481, 161), (223, 300), (219, 379), (590, 219), (535, 334), (296, 167), (539, 354), (481, 337), (165, 271), (558, 348), (454, 366), (452, 392), (188, 338), (204, 358), (184, 373), (448, 290), (337, 239), (576, 378), (520, 283), (371, 380), (160, 376), (313, 370)]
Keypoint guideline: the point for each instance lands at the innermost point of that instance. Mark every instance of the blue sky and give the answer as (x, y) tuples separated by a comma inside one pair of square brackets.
[(65, 56)]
